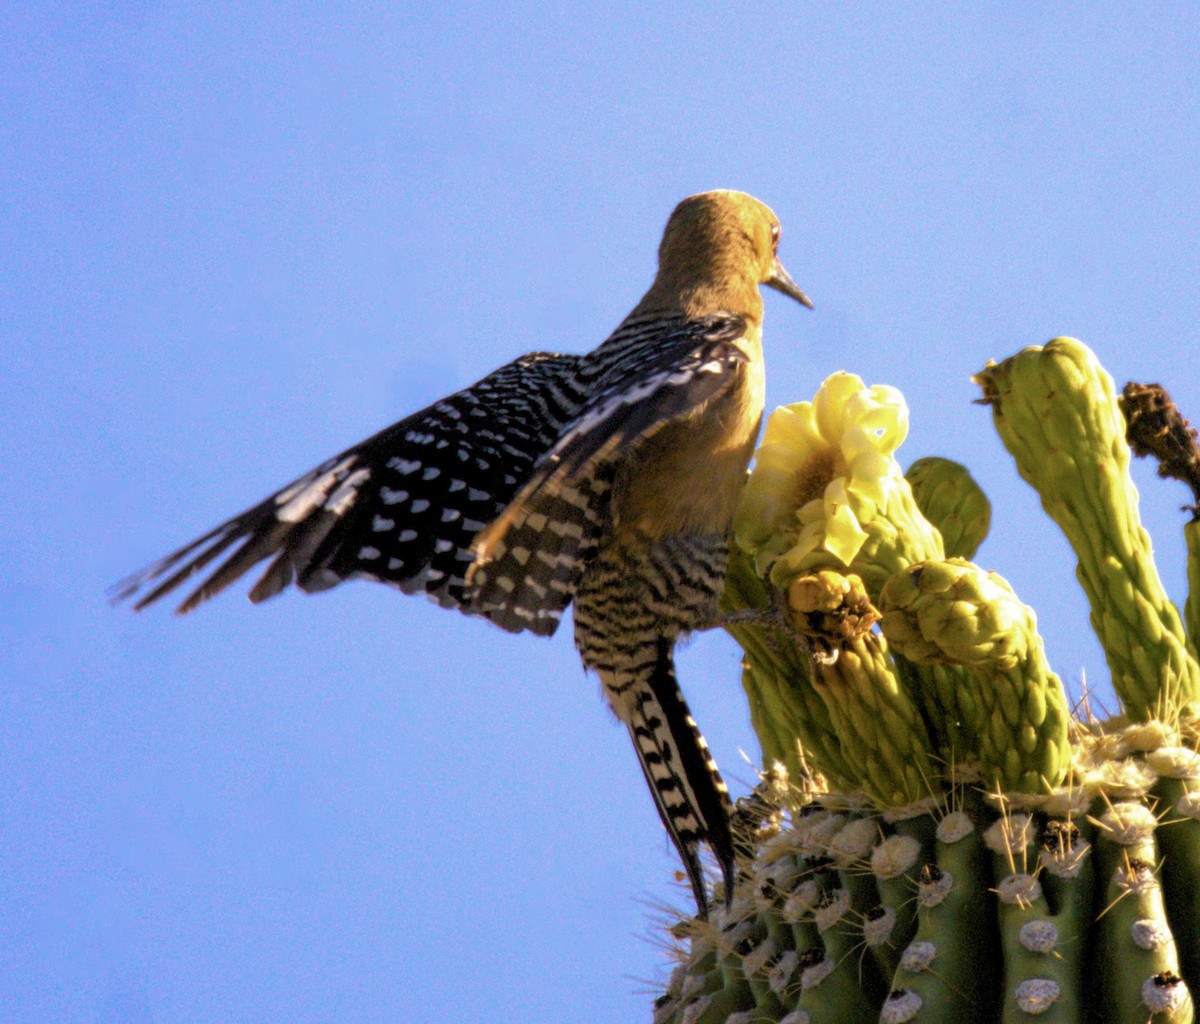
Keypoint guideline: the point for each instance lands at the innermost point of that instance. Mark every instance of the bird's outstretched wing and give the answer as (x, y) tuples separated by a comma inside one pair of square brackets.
[(412, 505), (530, 558), (402, 507)]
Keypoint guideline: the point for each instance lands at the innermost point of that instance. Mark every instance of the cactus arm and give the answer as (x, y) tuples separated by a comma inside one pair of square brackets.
[(1056, 412), (952, 612)]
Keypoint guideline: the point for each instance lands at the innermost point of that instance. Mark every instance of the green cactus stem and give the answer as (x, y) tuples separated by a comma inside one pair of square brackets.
[(952, 612), (946, 844), (1043, 951), (1137, 959), (954, 504), (950, 704), (881, 732), (951, 500), (786, 708), (952, 979), (839, 978), (1056, 412)]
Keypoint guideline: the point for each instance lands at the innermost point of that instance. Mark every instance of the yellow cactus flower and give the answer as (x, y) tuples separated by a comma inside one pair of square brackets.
[(824, 469)]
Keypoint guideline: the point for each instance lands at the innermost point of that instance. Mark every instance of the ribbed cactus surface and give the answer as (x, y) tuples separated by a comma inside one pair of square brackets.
[(936, 838)]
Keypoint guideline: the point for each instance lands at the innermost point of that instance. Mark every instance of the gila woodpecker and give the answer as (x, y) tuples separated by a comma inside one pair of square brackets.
[(608, 479)]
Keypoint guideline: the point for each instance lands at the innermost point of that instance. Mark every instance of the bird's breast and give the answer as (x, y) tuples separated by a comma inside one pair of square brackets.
[(687, 477)]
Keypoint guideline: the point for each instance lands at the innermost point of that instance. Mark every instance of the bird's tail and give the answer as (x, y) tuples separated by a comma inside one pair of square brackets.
[(688, 790)]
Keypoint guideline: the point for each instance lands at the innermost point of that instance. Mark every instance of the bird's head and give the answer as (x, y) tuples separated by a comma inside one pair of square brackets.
[(718, 247)]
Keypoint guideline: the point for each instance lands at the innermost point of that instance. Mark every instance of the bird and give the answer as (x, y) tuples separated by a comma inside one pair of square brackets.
[(608, 479)]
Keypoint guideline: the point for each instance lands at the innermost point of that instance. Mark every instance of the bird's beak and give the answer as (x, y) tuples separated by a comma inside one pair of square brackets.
[(782, 281)]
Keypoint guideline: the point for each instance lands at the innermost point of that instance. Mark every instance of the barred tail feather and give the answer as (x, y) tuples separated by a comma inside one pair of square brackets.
[(692, 799)]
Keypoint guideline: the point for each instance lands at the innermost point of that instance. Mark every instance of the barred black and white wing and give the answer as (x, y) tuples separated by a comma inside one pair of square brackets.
[(530, 449), (651, 372), (403, 507)]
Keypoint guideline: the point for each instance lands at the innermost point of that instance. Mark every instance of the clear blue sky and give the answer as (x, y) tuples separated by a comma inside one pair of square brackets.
[(235, 239)]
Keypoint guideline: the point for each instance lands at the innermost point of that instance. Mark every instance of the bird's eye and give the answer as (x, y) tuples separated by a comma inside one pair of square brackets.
[(774, 237)]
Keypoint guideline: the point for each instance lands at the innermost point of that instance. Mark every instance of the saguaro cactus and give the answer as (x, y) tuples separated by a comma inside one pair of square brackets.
[(936, 838)]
